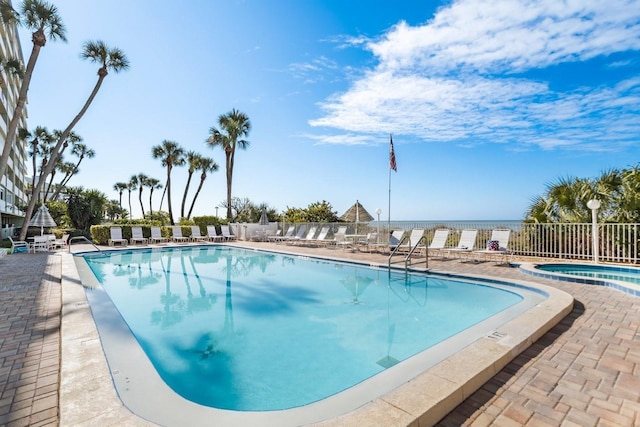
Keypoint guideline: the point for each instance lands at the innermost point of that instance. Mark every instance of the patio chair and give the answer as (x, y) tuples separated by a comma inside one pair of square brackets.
[(278, 238), (414, 238), (321, 238), (18, 246), (62, 242), (137, 236), (339, 238), (466, 243), (226, 232), (307, 238), (297, 236), (176, 234), (196, 236), (116, 237), (156, 236), (438, 242), (41, 244), (497, 246), (212, 234)]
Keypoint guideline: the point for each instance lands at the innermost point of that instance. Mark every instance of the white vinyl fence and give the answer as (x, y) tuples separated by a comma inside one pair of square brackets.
[(617, 242)]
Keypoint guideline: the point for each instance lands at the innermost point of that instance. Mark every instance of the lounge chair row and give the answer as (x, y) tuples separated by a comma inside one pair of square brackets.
[(176, 235), (497, 245), (399, 241)]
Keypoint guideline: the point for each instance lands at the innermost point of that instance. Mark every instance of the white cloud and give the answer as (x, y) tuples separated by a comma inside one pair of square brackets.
[(454, 78)]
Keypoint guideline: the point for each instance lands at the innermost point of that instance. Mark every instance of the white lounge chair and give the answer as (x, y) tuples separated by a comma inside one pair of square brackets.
[(116, 237), (297, 236), (438, 242), (156, 236), (307, 238), (176, 234), (62, 242), (18, 246), (289, 233), (226, 232), (500, 250), (466, 244), (137, 236), (321, 238), (414, 238), (196, 236), (212, 234)]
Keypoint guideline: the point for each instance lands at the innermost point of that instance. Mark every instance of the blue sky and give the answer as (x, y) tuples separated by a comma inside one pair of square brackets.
[(487, 101)]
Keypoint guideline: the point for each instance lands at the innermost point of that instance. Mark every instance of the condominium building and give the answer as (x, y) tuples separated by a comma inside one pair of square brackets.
[(13, 185)]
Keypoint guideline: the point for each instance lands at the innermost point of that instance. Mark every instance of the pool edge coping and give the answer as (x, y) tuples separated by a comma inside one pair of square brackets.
[(87, 393)]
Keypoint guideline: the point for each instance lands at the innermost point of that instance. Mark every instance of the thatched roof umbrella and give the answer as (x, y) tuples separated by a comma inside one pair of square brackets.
[(356, 213)]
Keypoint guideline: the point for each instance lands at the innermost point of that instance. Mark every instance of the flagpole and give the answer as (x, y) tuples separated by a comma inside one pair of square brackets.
[(392, 166)]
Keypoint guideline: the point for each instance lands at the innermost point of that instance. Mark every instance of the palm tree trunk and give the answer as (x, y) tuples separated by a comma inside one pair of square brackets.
[(164, 192), (150, 198), (184, 196), (140, 199), (168, 188), (229, 175), (130, 210), (195, 196), (56, 152)]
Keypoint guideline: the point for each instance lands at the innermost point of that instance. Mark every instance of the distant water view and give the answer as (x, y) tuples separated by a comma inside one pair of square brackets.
[(458, 225)]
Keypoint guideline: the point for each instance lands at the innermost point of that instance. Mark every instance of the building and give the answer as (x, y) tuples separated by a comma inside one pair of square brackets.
[(13, 185)]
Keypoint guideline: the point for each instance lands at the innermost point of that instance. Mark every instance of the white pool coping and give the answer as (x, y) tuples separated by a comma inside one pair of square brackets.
[(93, 392)]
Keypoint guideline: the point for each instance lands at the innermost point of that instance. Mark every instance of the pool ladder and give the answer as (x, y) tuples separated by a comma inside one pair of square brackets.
[(81, 238), (407, 259)]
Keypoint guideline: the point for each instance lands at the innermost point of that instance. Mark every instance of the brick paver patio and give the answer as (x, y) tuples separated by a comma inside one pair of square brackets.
[(584, 372), (29, 339)]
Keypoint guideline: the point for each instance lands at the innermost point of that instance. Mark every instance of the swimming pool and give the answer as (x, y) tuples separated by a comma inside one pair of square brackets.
[(625, 279), (181, 298)]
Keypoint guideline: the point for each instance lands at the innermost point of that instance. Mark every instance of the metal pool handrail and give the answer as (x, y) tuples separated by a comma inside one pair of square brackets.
[(81, 238)]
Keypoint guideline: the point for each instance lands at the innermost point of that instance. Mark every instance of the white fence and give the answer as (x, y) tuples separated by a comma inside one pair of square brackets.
[(617, 242)]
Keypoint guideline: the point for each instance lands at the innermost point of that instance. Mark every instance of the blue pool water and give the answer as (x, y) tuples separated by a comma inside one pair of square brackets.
[(605, 275), (254, 331)]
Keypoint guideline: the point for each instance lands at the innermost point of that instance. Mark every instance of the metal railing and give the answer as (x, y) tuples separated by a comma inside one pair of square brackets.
[(617, 242)]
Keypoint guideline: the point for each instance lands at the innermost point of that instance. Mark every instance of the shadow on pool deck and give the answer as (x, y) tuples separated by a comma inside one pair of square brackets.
[(583, 371)]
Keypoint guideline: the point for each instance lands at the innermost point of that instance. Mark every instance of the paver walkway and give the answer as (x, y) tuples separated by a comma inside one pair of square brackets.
[(30, 306), (584, 372)]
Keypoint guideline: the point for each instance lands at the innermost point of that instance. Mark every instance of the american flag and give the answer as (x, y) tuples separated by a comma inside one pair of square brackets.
[(392, 155)]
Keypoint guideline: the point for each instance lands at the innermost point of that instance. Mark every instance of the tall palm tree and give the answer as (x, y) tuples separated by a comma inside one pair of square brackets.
[(120, 187), (193, 162), (132, 185), (206, 165), (43, 19), (171, 154), (109, 59), (142, 182), (153, 184), (233, 127)]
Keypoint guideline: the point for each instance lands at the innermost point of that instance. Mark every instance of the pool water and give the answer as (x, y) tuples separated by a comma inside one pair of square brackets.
[(624, 279), (624, 274), (254, 331)]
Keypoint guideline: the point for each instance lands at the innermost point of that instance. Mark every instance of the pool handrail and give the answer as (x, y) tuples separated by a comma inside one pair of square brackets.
[(81, 238)]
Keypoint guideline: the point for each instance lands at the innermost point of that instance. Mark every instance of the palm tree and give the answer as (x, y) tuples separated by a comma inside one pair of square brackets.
[(43, 19), (206, 165), (120, 187), (153, 184), (109, 59), (193, 160), (132, 185), (171, 154), (233, 126), (142, 182), (82, 151)]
